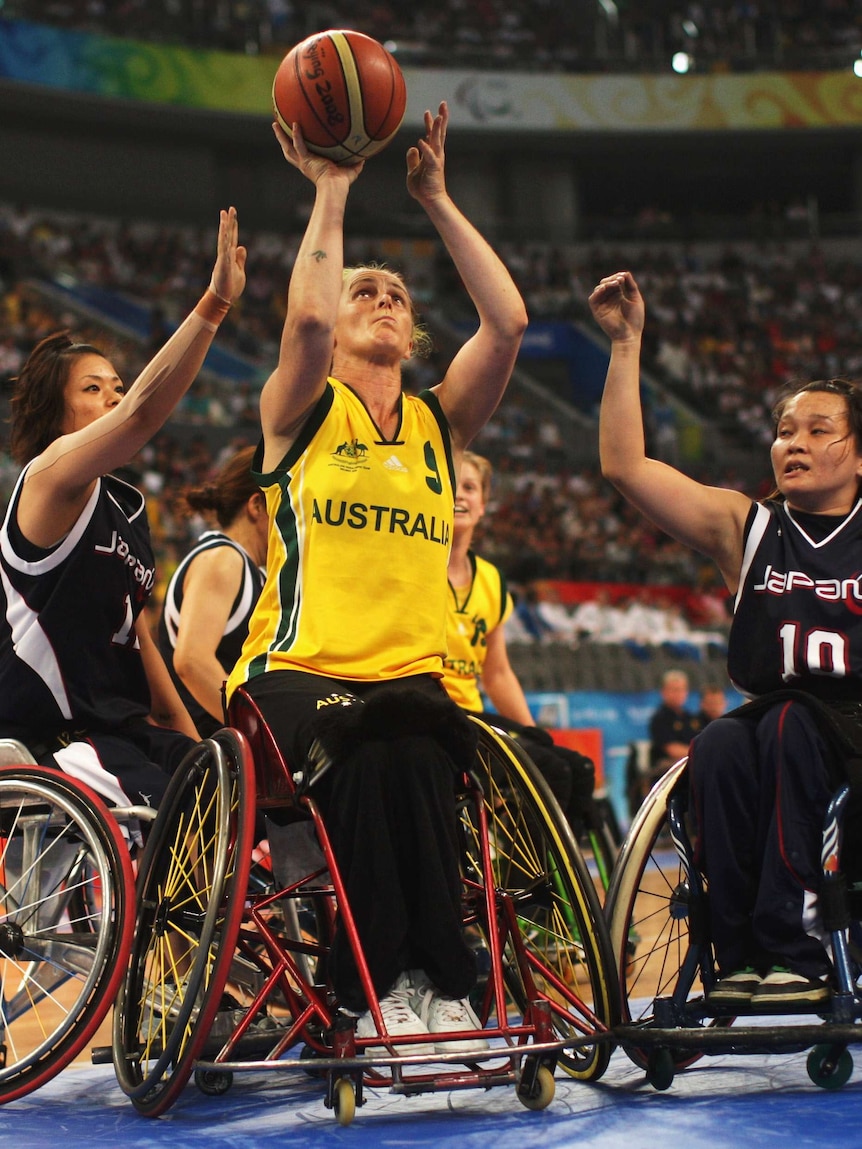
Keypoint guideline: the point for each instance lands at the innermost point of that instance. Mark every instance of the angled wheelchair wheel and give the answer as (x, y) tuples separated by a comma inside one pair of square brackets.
[(66, 921), (657, 924), (537, 862), (597, 836), (190, 899)]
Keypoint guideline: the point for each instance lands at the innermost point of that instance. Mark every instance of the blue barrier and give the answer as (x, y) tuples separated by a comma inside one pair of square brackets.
[(622, 719)]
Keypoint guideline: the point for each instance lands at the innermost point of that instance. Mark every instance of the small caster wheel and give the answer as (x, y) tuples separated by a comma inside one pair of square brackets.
[(542, 1093), (213, 1082), (828, 1068), (344, 1101), (660, 1069)]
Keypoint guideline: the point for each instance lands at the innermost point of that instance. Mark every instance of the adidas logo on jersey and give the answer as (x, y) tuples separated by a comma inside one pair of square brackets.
[(393, 463)]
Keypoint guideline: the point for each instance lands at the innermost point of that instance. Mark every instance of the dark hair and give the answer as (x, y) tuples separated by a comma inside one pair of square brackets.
[(229, 489), (38, 403), (849, 389)]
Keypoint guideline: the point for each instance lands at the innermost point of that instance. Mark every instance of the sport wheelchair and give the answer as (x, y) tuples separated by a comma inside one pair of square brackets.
[(66, 917), (207, 939), (657, 912)]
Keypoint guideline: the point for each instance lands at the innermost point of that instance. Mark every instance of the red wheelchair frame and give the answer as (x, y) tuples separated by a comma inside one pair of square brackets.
[(538, 921)]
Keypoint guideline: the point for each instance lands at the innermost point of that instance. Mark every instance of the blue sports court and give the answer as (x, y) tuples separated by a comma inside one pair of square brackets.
[(723, 1102)]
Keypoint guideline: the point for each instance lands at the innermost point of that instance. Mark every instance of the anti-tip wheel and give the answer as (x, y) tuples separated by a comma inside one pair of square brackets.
[(344, 1101), (542, 1094), (827, 1070), (660, 1069), (213, 1082)]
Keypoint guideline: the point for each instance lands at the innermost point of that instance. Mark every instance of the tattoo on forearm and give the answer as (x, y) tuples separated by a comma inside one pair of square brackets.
[(318, 255)]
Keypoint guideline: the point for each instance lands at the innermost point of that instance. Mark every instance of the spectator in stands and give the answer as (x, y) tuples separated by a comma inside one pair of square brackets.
[(479, 604), (672, 725), (83, 684), (214, 590), (551, 35), (762, 776), (530, 616), (713, 703), (345, 648)]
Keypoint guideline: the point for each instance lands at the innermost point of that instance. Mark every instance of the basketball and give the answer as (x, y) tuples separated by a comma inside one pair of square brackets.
[(346, 92)]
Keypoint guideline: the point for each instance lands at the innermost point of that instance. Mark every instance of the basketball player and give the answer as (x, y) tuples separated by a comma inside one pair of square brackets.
[(81, 679), (214, 590), (479, 604), (346, 645), (762, 775)]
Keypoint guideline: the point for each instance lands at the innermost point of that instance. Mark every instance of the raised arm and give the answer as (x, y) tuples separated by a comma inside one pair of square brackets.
[(709, 519), (60, 480), (479, 373), (306, 348)]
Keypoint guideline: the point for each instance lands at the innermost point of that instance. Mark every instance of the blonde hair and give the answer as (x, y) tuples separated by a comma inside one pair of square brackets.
[(483, 466)]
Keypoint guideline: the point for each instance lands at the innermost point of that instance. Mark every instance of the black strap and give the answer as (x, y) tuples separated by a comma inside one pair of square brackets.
[(840, 723)]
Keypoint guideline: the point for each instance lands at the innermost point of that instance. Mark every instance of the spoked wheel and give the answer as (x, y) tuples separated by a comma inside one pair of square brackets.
[(655, 922), (66, 921), (537, 862), (191, 894), (597, 839)]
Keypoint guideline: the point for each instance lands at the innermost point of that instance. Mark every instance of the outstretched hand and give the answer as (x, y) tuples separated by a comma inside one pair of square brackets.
[(427, 161), (312, 166), (228, 279), (618, 307)]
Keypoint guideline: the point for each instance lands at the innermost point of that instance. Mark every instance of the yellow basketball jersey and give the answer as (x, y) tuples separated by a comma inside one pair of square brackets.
[(472, 615), (359, 538)]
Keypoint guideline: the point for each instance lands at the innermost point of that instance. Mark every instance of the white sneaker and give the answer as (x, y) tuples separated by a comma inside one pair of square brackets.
[(399, 1019), (443, 1014)]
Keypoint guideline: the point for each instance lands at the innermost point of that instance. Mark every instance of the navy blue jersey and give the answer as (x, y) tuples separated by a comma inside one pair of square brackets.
[(236, 629), (798, 614), (69, 654)]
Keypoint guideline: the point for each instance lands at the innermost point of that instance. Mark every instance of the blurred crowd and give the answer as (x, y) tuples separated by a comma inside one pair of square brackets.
[(541, 35), (728, 325)]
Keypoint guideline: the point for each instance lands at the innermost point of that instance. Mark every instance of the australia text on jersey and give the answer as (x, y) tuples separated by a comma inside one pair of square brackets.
[(360, 516), (144, 575), (828, 589)]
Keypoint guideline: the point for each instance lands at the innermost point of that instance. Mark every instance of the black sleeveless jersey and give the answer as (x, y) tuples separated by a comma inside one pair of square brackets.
[(69, 655), (230, 646), (798, 613)]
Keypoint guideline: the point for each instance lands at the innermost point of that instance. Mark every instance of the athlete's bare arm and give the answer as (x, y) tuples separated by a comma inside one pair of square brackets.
[(709, 519), (479, 373), (307, 340), (212, 582), (166, 706), (60, 480)]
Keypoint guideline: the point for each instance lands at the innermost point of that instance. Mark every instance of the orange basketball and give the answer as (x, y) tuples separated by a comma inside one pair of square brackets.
[(346, 92)]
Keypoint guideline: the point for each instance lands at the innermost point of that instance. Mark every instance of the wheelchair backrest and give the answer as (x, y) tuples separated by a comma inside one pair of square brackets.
[(273, 780)]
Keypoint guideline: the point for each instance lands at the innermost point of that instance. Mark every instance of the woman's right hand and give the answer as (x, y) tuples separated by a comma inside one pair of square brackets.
[(618, 307), (313, 166), (228, 280)]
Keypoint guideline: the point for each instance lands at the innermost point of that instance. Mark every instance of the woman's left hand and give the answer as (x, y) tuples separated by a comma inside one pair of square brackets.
[(228, 279), (426, 162), (618, 307)]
